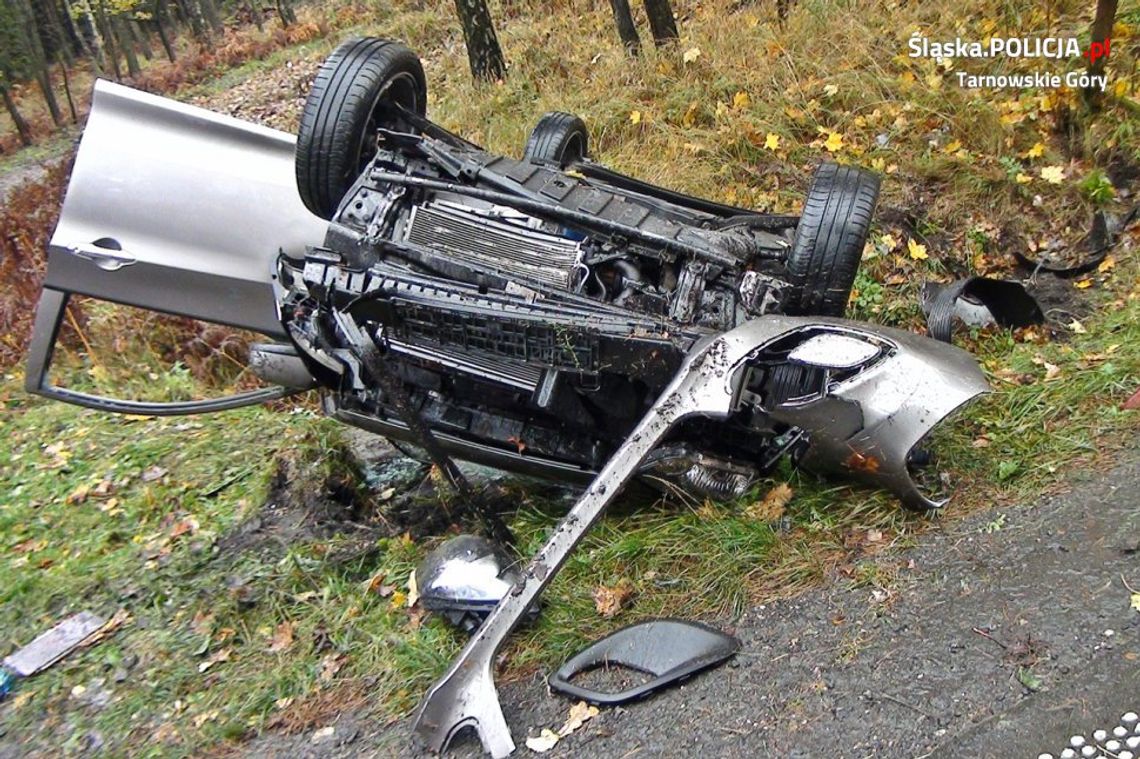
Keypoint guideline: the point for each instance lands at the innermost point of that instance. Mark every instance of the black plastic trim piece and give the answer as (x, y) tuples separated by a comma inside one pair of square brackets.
[(668, 649)]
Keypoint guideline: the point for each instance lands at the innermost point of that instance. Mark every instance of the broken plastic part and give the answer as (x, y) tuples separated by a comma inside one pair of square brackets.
[(465, 577), (977, 301), (668, 649)]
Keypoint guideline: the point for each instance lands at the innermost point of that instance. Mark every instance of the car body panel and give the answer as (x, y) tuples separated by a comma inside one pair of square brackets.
[(199, 205)]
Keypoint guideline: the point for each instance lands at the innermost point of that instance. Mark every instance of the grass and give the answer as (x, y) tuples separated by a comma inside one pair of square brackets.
[(209, 600)]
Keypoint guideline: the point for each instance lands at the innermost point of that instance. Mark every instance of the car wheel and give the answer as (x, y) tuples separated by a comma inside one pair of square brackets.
[(558, 138), (360, 88), (829, 239)]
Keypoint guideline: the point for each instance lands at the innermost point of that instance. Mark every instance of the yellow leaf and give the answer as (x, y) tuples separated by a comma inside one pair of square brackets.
[(888, 242), (917, 250), (1036, 151), (830, 90), (1135, 601), (635, 117), (1106, 265), (690, 116), (1120, 88), (953, 147), (772, 141), (610, 600), (399, 599), (542, 742), (741, 100), (1053, 174), (933, 81), (772, 506), (834, 142), (1084, 284), (1023, 178), (691, 55)]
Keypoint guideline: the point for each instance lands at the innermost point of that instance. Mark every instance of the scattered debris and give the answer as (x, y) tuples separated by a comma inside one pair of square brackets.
[(668, 650), (609, 601), (977, 302), (54, 644), (580, 714)]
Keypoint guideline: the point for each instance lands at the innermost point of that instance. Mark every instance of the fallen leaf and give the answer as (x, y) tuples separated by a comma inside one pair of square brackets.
[(543, 742), (1022, 178), (330, 665), (916, 250), (399, 599), (1053, 174), (741, 100), (154, 473), (1077, 327), (282, 638), (1135, 601), (1084, 284), (771, 507), (691, 55), (635, 117), (952, 147), (834, 142), (1107, 265), (1036, 151), (772, 141), (222, 655), (580, 714), (874, 536), (888, 242), (1052, 371), (189, 525), (609, 601), (1026, 677), (413, 589), (79, 495), (830, 90)]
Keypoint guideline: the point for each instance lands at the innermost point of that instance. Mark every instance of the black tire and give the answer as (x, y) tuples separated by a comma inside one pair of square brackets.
[(558, 138), (829, 239), (352, 96)]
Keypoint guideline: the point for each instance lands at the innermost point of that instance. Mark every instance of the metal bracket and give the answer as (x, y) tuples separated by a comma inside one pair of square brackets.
[(49, 317)]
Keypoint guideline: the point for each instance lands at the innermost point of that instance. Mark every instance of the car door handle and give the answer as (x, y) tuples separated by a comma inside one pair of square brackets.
[(106, 258)]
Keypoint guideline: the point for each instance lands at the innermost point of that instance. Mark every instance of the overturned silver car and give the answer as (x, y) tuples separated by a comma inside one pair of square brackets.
[(526, 312)]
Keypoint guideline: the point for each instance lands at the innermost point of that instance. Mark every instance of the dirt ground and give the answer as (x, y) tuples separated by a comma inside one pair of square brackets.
[(995, 636)]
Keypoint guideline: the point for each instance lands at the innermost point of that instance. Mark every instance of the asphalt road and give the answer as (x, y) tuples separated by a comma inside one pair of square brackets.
[(997, 637)]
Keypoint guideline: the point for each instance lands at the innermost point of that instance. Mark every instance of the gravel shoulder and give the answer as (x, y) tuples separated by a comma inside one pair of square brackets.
[(1001, 634)]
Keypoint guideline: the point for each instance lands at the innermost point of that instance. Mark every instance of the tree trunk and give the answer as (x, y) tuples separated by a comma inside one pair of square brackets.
[(124, 41), (286, 13), (67, 92), (1099, 40), (160, 24), (483, 51), (623, 17), (78, 42), (139, 38), (108, 35), (210, 13), (661, 22), (39, 62), (17, 118), (253, 8), (192, 12)]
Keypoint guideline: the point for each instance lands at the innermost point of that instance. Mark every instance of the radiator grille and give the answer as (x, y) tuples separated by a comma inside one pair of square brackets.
[(491, 244)]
